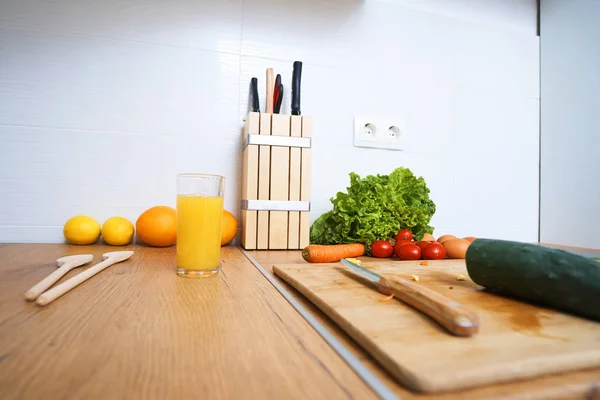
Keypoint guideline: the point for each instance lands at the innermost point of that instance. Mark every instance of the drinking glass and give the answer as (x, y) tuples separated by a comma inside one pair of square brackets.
[(199, 219)]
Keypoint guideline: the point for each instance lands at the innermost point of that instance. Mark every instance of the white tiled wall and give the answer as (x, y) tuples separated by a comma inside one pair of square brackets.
[(101, 105)]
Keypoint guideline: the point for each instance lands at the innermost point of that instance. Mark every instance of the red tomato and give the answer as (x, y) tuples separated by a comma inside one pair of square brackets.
[(422, 244), (381, 249), (435, 251), (402, 243), (403, 234), (408, 252)]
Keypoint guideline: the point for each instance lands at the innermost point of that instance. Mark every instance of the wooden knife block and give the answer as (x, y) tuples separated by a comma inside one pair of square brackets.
[(276, 181)]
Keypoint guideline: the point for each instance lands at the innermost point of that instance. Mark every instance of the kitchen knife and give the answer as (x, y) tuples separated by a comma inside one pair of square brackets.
[(447, 312), (270, 89), (277, 107), (296, 81), (254, 94), (276, 89)]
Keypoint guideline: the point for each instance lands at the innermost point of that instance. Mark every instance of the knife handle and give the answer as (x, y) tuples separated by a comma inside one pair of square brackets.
[(270, 88), (277, 107), (254, 94), (447, 312), (296, 80)]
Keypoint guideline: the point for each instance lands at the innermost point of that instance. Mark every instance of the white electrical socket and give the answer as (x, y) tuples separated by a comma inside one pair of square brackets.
[(368, 133), (380, 132)]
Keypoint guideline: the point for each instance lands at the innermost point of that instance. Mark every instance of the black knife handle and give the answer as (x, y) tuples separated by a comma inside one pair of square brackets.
[(254, 92), (296, 80)]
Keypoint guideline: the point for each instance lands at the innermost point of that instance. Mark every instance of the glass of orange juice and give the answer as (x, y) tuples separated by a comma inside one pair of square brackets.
[(199, 219)]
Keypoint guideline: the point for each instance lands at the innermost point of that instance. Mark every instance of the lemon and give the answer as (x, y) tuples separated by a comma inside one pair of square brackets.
[(117, 231), (81, 229)]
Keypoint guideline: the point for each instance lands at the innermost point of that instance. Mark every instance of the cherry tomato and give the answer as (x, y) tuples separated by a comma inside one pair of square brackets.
[(423, 243), (402, 243), (435, 251), (403, 234), (408, 252), (381, 249)]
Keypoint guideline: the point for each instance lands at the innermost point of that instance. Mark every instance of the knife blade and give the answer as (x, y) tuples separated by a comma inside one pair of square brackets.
[(296, 81), (450, 314)]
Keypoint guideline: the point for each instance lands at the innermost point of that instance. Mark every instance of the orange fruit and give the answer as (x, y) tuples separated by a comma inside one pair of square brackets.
[(157, 226), (230, 227)]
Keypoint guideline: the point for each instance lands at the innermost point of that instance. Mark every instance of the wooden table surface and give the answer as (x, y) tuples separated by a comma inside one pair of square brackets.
[(561, 386), (139, 331)]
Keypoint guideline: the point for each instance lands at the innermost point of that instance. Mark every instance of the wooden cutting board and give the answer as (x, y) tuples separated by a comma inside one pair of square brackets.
[(516, 340)]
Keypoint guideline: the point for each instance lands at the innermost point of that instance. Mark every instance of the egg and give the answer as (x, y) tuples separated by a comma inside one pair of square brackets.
[(428, 237), (456, 248), (470, 238), (442, 239)]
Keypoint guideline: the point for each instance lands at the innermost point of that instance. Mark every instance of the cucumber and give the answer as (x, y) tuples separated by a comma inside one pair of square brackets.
[(542, 275)]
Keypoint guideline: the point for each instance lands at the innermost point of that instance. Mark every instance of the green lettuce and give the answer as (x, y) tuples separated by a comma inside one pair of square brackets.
[(376, 208)]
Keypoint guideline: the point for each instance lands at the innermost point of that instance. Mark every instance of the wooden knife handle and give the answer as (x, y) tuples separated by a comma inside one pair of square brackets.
[(270, 89), (447, 312)]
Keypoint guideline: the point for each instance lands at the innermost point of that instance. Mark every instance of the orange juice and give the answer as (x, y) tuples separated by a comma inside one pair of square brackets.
[(199, 220)]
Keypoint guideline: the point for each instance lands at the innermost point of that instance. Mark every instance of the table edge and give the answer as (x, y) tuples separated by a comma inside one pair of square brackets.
[(363, 372)]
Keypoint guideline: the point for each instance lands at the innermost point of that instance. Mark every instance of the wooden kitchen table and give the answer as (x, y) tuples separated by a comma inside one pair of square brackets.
[(139, 331)]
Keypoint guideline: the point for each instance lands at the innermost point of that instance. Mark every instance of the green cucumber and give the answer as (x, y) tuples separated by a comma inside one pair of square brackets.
[(542, 275)]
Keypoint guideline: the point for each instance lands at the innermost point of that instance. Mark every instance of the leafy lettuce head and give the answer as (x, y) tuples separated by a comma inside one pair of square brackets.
[(376, 208)]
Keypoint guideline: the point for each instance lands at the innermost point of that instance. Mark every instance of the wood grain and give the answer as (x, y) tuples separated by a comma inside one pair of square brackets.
[(65, 265), (295, 179), (264, 183), (250, 182), (305, 182), (280, 181), (139, 331), (63, 288), (584, 384), (515, 340), (456, 318)]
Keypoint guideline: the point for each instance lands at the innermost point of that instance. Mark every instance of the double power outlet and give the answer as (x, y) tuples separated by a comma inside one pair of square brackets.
[(380, 132)]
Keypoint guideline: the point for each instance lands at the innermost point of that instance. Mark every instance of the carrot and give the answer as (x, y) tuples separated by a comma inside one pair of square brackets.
[(316, 253)]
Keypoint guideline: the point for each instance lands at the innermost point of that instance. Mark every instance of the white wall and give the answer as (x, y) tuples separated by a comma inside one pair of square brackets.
[(570, 141), (103, 103)]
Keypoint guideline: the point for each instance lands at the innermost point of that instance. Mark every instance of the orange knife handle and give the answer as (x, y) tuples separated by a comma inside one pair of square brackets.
[(447, 312)]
